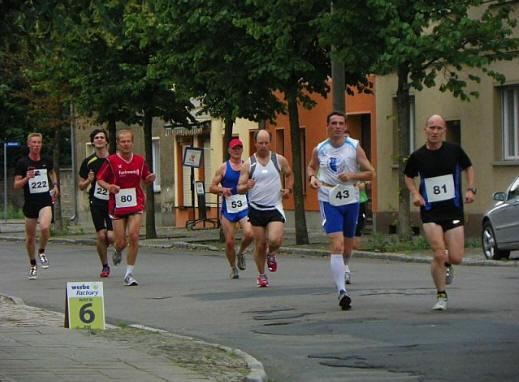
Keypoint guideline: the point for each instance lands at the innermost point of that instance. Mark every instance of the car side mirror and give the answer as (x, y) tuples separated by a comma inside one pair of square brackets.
[(499, 196)]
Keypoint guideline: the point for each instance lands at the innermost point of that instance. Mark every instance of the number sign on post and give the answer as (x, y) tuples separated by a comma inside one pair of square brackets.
[(85, 305)]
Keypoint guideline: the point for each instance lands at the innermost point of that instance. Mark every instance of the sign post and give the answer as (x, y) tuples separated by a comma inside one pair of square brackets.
[(85, 305), (6, 146)]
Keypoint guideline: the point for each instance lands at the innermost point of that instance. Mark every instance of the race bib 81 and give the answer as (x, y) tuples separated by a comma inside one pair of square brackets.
[(439, 188)]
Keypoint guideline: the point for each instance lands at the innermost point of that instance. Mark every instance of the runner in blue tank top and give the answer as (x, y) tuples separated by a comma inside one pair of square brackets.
[(234, 206)]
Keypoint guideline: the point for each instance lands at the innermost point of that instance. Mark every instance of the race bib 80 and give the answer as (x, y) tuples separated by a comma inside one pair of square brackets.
[(126, 197)]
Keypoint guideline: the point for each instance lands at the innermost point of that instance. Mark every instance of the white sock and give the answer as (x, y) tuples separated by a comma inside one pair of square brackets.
[(338, 268), (129, 269), (347, 269)]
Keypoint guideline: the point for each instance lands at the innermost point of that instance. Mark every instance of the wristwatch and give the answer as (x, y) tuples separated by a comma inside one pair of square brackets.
[(474, 190)]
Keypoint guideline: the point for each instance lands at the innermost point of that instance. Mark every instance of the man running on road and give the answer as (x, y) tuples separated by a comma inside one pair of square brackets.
[(261, 177), (122, 176), (439, 165), (334, 171), (234, 206), (35, 174), (98, 196)]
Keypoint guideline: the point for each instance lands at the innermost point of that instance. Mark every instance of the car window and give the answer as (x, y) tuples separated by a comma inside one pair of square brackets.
[(514, 190)]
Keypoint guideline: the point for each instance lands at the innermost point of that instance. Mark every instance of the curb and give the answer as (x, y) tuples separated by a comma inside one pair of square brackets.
[(257, 372)]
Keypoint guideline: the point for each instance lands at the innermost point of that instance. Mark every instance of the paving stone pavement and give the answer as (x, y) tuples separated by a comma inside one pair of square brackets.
[(34, 346)]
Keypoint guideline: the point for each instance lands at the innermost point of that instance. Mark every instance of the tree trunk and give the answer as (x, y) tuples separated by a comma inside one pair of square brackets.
[(229, 122), (403, 110), (56, 151), (297, 165), (112, 135), (151, 232)]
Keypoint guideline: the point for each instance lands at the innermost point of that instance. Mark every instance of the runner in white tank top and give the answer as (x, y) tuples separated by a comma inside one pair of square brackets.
[(334, 172), (261, 177)]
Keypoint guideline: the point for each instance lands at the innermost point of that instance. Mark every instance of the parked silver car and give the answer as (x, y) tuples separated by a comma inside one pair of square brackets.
[(500, 232)]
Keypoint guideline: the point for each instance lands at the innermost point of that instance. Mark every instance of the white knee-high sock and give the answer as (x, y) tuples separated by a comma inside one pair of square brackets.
[(338, 268), (129, 269)]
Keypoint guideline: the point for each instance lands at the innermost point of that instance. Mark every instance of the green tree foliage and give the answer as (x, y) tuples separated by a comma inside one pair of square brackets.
[(212, 57), (425, 43)]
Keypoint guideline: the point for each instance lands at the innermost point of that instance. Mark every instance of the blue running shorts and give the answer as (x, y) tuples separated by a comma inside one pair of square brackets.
[(339, 218)]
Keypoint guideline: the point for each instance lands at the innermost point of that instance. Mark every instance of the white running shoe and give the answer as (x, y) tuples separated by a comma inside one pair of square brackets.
[(130, 280), (116, 257), (234, 274), (33, 273), (241, 261), (441, 303), (44, 262), (347, 277)]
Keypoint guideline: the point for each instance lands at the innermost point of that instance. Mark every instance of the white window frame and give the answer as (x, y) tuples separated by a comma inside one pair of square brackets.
[(155, 155), (510, 122)]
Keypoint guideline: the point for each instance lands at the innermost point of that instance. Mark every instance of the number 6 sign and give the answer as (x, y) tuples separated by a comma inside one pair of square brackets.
[(85, 305)]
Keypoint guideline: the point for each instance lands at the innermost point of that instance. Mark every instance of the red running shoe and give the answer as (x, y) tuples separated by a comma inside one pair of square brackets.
[(262, 281), (272, 264), (105, 272)]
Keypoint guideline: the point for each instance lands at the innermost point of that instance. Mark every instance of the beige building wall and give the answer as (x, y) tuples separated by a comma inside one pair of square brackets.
[(481, 136)]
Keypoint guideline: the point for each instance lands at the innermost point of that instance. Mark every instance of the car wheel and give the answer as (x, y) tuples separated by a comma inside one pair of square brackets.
[(489, 244)]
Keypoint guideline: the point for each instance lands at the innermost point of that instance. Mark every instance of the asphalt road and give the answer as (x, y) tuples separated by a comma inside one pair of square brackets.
[(295, 327)]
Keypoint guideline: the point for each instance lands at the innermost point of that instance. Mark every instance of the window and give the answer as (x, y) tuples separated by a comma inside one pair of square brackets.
[(155, 153), (510, 118)]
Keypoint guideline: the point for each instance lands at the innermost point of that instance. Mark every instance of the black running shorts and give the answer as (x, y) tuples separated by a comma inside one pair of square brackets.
[(261, 218), (100, 216)]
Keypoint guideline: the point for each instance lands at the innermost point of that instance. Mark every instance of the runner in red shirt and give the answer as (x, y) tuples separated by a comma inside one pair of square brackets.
[(121, 175)]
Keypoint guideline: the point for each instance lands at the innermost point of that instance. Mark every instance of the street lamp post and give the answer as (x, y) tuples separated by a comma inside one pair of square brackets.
[(6, 146)]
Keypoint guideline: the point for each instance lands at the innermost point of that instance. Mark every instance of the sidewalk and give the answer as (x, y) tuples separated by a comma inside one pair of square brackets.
[(209, 239), (34, 346)]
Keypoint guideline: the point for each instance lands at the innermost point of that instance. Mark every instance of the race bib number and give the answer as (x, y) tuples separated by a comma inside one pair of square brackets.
[(343, 194), (40, 182), (439, 188), (100, 192), (126, 197), (236, 203)]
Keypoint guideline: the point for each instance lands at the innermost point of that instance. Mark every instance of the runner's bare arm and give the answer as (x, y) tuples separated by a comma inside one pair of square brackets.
[(20, 181), (367, 170), (469, 194), (244, 183), (415, 195), (287, 173), (216, 187), (55, 184), (312, 169)]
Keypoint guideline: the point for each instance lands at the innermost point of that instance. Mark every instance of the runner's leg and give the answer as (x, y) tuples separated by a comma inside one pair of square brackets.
[(260, 250), (30, 238), (434, 235), (134, 227), (45, 219), (228, 233), (247, 234), (455, 240)]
